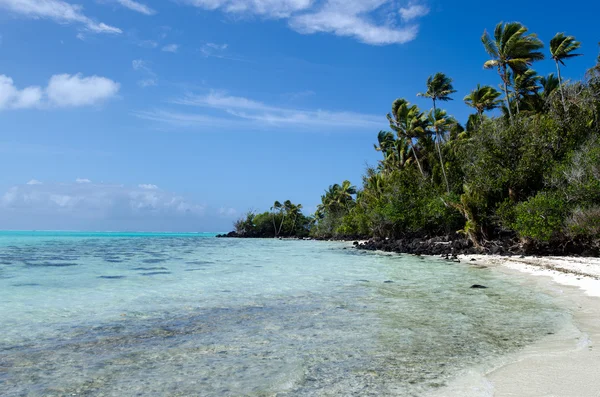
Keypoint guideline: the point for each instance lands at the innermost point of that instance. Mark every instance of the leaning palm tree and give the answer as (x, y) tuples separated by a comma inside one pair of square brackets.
[(345, 193), (549, 84), (525, 85), (511, 48), (408, 122), (483, 99), (442, 123), (279, 207), (561, 48), (439, 88)]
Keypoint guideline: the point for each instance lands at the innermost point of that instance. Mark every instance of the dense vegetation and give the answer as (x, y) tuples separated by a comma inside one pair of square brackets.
[(530, 174)]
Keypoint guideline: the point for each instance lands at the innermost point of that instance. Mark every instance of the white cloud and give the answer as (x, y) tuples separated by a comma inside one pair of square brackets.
[(82, 180), (248, 113), (138, 7), (269, 8), (353, 18), (375, 22), (171, 48), (12, 97), (58, 11), (74, 90), (413, 11), (34, 182), (63, 90), (90, 205), (147, 186)]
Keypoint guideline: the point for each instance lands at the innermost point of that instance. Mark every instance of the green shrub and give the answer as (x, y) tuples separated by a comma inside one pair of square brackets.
[(584, 223), (541, 217)]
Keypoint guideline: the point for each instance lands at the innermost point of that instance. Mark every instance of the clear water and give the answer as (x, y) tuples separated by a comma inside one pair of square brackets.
[(106, 314)]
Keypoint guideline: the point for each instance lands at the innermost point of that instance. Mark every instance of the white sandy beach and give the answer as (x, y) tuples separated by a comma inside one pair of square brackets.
[(563, 365)]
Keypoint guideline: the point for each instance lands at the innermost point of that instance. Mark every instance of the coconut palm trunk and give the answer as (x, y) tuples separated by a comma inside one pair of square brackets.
[(504, 76), (437, 144), (412, 146), (560, 85)]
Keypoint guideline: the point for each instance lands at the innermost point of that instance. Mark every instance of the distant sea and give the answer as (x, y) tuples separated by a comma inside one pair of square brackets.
[(162, 314)]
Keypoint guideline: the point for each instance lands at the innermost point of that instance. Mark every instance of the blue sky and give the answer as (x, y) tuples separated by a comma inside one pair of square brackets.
[(182, 115)]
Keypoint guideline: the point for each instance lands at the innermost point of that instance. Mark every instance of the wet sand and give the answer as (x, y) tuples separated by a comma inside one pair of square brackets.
[(565, 364)]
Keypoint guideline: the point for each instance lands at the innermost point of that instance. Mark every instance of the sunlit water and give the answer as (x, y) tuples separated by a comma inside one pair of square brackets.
[(190, 315)]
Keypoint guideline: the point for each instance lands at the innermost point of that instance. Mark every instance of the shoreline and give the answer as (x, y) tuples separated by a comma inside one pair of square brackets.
[(566, 364)]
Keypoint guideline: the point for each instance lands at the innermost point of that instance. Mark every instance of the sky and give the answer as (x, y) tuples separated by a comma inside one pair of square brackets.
[(182, 115)]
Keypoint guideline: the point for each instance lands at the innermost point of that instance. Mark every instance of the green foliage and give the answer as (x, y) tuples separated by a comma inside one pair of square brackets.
[(585, 223), (540, 218), (284, 220)]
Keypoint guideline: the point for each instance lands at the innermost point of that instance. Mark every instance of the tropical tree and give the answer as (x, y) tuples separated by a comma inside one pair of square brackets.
[(396, 152), (346, 193), (561, 48), (442, 123), (511, 48), (439, 88), (294, 212), (525, 85), (277, 207), (408, 122), (549, 84), (483, 99)]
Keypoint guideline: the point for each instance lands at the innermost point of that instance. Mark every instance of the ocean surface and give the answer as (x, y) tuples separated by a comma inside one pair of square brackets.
[(142, 314)]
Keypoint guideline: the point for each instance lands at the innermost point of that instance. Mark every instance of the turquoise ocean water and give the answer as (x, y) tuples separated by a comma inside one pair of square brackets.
[(150, 314)]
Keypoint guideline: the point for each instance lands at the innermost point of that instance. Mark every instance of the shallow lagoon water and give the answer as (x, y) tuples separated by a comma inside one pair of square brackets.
[(101, 314)]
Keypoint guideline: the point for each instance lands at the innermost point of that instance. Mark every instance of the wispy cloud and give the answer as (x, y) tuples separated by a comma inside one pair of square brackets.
[(58, 11), (63, 90), (413, 11), (136, 6), (140, 65), (354, 18), (220, 51), (171, 48), (147, 43), (236, 112), (213, 49), (375, 22), (268, 8)]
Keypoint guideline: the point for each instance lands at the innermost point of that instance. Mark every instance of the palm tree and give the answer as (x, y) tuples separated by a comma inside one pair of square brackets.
[(276, 206), (396, 152), (441, 122), (408, 122), (439, 88), (549, 84), (345, 193), (525, 85), (483, 99), (511, 48), (561, 48), (294, 211)]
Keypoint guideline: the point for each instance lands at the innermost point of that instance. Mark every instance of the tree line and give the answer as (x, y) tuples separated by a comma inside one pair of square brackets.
[(530, 172)]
